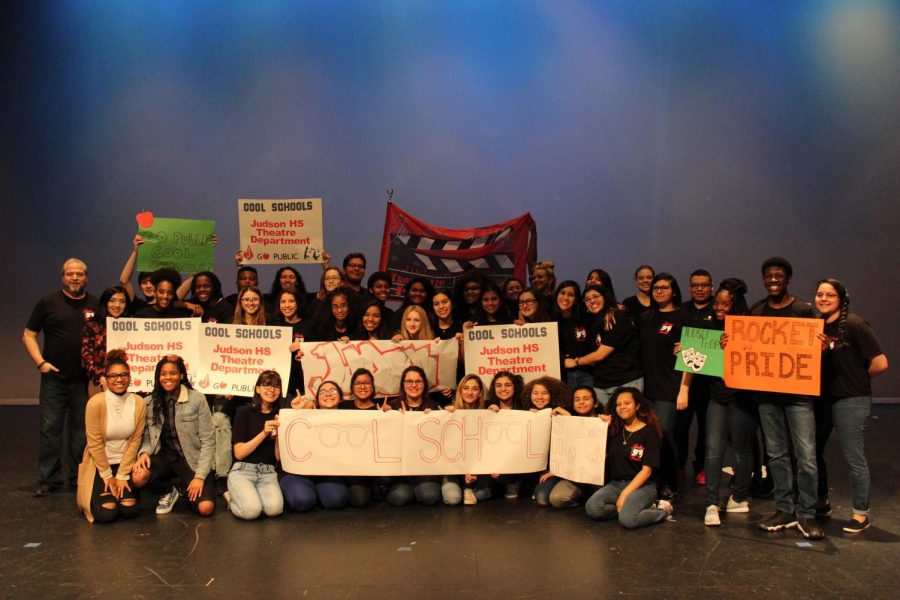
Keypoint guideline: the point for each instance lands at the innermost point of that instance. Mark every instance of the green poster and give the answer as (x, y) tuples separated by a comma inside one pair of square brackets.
[(181, 244), (700, 352)]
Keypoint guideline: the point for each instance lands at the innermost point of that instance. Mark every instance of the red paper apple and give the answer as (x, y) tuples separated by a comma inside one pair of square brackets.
[(144, 219)]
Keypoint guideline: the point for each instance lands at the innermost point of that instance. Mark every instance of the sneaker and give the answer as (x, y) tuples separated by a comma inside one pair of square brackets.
[(167, 502), (227, 495), (810, 529), (700, 478), (512, 491), (728, 471), (41, 491), (666, 506), (737, 507), (823, 508), (854, 526), (469, 498), (712, 516), (778, 521)]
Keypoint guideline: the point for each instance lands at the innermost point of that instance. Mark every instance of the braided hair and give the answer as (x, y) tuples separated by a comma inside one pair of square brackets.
[(844, 297)]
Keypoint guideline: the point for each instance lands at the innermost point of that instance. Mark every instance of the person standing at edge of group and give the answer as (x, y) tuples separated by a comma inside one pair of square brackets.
[(788, 421), (61, 316), (698, 313)]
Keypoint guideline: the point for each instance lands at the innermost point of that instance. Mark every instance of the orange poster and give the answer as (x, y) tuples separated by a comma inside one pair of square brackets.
[(773, 354)]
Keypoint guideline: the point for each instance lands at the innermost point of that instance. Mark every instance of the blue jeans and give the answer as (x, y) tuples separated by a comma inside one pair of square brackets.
[(848, 416), (62, 403), (603, 394), (788, 422), (452, 489), (636, 511), (577, 378), (542, 491), (254, 490), (403, 490), (734, 420), (301, 493)]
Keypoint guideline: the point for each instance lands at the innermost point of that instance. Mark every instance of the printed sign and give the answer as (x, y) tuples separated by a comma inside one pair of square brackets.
[(700, 352), (578, 449), (530, 350), (371, 442), (773, 354), (231, 357), (336, 361), (181, 244), (277, 232), (147, 341)]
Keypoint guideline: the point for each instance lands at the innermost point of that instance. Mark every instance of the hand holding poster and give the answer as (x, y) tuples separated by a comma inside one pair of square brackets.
[(530, 350), (700, 352), (578, 449), (281, 231), (336, 361), (773, 354), (231, 357), (147, 341), (181, 244)]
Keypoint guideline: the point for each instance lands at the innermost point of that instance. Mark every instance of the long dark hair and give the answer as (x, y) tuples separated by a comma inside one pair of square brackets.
[(382, 332), (518, 384), (301, 293), (158, 395), (676, 291), (605, 281), (577, 311), (502, 315), (644, 412), (844, 297), (101, 313), (301, 305)]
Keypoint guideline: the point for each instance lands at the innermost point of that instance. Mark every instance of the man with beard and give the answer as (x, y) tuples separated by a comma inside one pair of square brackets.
[(61, 316)]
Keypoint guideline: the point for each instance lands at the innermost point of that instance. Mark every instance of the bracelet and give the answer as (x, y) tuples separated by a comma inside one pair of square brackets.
[(43, 362)]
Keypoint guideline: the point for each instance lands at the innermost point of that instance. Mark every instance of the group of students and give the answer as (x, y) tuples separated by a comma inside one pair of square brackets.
[(616, 359)]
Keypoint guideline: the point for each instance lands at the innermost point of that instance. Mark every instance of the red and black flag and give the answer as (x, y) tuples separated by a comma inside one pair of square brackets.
[(412, 248)]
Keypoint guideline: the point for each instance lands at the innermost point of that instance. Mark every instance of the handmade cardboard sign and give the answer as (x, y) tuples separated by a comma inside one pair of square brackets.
[(181, 244), (700, 352), (578, 448)]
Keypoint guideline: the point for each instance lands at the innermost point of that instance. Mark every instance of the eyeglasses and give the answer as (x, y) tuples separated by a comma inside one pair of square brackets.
[(333, 278), (363, 384), (527, 302), (115, 376), (828, 295), (697, 286), (356, 266), (270, 386), (592, 297), (662, 288), (329, 392)]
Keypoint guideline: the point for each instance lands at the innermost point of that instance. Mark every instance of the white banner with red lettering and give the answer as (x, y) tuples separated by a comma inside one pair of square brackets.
[(336, 361), (530, 350), (231, 357), (372, 442), (147, 341)]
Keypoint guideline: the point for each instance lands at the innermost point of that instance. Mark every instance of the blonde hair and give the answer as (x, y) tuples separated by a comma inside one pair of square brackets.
[(425, 331), (458, 399)]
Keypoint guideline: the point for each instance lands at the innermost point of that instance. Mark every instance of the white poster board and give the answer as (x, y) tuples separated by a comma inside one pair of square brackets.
[(281, 231), (231, 357), (147, 341), (578, 449), (530, 350)]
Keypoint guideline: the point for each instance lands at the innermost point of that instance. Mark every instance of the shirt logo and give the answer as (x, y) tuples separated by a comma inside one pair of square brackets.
[(666, 328), (637, 452), (88, 314), (580, 334)]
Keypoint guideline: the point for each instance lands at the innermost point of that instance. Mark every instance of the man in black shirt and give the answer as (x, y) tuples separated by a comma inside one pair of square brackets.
[(63, 395)]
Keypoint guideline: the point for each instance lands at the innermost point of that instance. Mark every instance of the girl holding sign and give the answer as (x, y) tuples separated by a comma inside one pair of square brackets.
[(290, 314), (474, 488), (540, 393), (301, 492), (249, 308), (632, 456), (114, 302), (562, 493), (852, 357), (730, 414), (253, 481), (372, 322)]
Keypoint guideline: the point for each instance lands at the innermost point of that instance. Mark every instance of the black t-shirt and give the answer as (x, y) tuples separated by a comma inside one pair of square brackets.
[(629, 451), (701, 318), (634, 307), (796, 309), (659, 333), (845, 369), (624, 364), (351, 405), (173, 312), (247, 425), (62, 320), (574, 339), (299, 333)]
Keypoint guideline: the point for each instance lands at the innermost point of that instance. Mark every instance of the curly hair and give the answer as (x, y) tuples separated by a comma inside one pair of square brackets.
[(560, 393)]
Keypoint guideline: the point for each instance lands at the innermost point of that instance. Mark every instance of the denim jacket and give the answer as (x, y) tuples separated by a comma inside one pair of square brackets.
[(193, 424)]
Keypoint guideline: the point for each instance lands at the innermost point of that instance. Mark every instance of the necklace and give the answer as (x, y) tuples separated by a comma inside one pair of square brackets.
[(625, 437)]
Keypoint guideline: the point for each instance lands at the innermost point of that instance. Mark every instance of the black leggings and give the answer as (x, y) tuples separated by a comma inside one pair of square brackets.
[(105, 508)]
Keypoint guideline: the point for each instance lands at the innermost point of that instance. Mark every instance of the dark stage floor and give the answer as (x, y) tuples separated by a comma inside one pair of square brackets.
[(498, 549)]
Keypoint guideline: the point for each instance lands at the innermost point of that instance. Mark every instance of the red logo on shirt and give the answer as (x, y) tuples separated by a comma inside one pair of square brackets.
[(637, 452), (580, 334), (88, 314), (666, 328)]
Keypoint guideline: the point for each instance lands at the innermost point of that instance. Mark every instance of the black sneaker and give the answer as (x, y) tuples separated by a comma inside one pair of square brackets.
[(810, 529), (823, 508), (854, 526), (41, 490), (778, 521)]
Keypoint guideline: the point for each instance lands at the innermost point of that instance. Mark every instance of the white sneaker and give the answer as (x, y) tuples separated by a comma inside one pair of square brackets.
[(167, 502), (712, 516), (469, 498), (666, 506), (227, 496), (512, 491), (737, 507)]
